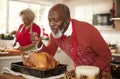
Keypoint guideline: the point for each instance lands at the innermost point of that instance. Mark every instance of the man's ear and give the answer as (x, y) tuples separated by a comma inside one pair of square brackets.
[(68, 20)]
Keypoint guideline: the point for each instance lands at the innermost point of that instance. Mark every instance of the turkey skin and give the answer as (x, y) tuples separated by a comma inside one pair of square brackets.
[(40, 60)]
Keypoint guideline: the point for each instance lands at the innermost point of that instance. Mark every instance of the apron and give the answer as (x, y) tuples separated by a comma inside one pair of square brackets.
[(77, 55), (30, 49), (24, 26), (21, 29)]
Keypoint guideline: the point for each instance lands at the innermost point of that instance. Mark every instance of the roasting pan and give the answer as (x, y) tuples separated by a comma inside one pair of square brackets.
[(19, 67)]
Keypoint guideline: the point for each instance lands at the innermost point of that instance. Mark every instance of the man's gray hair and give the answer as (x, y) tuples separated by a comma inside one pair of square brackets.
[(65, 8)]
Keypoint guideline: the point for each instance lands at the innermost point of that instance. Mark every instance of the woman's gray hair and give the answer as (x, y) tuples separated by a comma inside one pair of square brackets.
[(28, 13)]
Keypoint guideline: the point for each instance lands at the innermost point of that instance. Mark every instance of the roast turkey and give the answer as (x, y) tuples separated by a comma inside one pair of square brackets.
[(40, 60)]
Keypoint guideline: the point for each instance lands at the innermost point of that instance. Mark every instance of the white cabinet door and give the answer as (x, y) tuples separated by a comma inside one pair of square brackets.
[(5, 61), (84, 10)]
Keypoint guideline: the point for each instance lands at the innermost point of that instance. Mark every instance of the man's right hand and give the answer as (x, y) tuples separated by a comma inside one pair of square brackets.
[(36, 40)]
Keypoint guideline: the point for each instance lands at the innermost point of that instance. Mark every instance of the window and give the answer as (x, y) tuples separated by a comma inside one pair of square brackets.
[(3, 15), (9, 13)]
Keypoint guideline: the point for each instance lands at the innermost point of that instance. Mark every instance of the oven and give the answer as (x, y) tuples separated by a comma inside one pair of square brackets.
[(115, 67)]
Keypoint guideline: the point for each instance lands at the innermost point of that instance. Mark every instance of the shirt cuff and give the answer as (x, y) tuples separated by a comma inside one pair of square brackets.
[(39, 48)]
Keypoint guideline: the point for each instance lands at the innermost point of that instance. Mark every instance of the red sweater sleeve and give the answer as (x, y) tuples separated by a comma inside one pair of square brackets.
[(101, 49), (91, 41), (51, 46)]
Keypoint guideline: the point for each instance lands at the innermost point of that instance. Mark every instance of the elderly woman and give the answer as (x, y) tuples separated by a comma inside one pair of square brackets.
[(26, 29)]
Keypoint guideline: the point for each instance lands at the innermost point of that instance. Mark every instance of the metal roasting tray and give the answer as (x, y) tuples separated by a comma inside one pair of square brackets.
[(19, 67)]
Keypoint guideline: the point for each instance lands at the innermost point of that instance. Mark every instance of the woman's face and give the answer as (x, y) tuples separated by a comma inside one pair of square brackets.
[(25, 20)]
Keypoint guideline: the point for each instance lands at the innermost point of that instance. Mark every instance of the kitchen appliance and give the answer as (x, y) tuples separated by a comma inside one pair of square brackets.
[(115, 66), (115, 70), (19, 67)]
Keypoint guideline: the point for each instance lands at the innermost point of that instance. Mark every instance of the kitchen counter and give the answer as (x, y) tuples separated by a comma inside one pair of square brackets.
[(7, 59), (2, 54), (9, 76)]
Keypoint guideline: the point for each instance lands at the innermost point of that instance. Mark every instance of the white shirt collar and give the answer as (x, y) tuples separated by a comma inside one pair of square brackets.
[(69, 30)]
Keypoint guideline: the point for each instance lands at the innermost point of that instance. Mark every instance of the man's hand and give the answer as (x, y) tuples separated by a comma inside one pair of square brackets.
[(36, 40)]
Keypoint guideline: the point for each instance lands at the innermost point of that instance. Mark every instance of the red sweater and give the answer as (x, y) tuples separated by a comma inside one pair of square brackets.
[(89, 40)]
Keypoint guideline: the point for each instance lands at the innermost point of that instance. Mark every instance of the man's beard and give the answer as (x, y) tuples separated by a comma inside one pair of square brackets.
[(59, 34)]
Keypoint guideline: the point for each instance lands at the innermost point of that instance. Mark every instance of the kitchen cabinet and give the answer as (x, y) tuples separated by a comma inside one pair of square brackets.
[(7, 58), (117, 24), (102, 6), (117, 15), (5, 61), (84, 10), (117, 8)]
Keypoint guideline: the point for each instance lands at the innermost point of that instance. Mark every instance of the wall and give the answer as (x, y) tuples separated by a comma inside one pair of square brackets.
[(85, 11), (112, 37), (5, 61), (44, 2)]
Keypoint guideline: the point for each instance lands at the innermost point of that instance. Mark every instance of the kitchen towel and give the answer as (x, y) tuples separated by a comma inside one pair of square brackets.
[(9, 71)]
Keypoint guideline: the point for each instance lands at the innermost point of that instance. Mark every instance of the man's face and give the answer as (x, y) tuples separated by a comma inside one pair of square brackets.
[(56, 22)]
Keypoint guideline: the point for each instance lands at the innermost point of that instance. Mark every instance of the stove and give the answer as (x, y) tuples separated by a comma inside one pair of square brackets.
[(115, 70), (115, 66)]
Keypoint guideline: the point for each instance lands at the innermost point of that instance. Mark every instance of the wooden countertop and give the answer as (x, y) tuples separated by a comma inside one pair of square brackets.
[(9, 76), (10, 54)]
